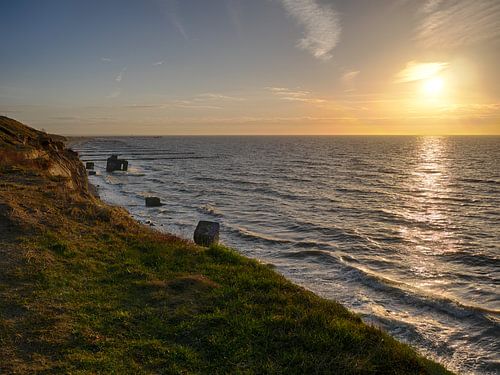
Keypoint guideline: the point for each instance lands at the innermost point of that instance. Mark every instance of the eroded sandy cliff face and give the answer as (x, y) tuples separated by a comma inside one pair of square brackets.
[(21, 145)]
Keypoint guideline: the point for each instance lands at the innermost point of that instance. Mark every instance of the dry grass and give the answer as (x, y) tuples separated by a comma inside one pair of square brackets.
[(10, 159), (14, 161)]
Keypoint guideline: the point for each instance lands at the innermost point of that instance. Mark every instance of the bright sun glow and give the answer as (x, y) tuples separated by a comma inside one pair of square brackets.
[(433, 86)]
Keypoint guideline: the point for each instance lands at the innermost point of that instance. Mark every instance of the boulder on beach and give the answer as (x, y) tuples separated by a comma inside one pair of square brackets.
[(207, 233), (153, 202)]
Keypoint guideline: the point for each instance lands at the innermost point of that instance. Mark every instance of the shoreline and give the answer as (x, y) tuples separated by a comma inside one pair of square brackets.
[(372, 321), (127, 190)]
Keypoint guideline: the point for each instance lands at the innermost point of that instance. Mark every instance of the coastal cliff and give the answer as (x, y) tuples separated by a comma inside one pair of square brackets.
[(85, 288)]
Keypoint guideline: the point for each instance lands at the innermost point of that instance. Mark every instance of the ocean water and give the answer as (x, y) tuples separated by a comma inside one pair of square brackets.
[(405, 231)]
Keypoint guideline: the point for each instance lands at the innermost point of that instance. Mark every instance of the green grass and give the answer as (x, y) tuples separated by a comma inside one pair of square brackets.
[(114, 302)]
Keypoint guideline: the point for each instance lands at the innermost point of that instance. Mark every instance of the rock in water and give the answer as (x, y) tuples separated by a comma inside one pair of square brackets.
[(153, 202), (89, 165), (92, 173), (206, 233)]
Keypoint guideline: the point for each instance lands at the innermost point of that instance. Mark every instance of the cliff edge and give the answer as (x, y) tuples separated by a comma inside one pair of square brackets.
[(22, 146)]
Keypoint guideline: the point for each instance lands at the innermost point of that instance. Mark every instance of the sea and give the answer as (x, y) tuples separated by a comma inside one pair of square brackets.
[(402, 230)]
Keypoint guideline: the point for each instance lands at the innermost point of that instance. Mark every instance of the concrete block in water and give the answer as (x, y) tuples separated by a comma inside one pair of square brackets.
[(153, 202), (207, 233), (89, 165), (115, 164)]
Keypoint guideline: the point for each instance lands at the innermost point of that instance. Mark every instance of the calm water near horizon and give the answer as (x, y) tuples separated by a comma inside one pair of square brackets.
[(404, 231)]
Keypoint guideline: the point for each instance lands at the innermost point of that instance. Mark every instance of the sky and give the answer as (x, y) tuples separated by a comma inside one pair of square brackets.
[(211, 67)]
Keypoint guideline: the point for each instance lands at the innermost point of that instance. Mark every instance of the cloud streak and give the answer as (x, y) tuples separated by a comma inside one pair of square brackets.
[(431, 5), (120, 75), (191, 104), (209, 101), (115, 94), (321, 25), (290, 95), (416, 71), (349, 76), (217, 96), (454, 23)]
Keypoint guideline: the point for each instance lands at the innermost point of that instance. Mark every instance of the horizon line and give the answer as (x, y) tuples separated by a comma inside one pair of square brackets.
[(290, 135)]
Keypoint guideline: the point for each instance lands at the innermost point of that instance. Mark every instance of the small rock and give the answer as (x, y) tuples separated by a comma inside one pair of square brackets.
[(92, 173), (153, 202), (207, 233)]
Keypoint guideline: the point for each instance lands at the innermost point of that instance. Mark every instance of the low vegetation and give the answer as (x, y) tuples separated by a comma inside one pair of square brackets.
[(85, 289)]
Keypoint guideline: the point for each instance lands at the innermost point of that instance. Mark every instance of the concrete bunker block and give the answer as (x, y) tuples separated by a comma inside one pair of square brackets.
[(115, 164), (153, 202), (207, 233)]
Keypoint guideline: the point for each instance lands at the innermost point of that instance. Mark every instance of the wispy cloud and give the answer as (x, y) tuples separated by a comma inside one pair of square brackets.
[(321, 25), (106, 59), (176, 21), (291, 95), (416, 71), (65, 118), (217, 96), (209, 101), (175, 18), (430, 5), (144, 106), (349, 76), (234, 12), (115, 94), (158, 63), (120, 75), (190, 104), (479, 110), (453, 23), (169, 8)]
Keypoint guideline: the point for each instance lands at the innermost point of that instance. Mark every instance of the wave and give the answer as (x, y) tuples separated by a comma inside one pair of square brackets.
[(210, 210), (476, 259), (245, 233), (479, 181), (417, 296), (400, 291), (234, 181), (113, 180), (321, 256), (305, 244)]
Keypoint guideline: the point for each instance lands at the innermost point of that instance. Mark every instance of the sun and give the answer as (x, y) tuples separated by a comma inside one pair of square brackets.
[(433, 86)]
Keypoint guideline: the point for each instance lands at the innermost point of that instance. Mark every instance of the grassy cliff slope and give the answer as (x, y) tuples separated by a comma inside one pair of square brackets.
[(85, 289)]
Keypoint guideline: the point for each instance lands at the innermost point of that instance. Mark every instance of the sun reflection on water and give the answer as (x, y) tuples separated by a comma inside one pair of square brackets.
[(428, 183)]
